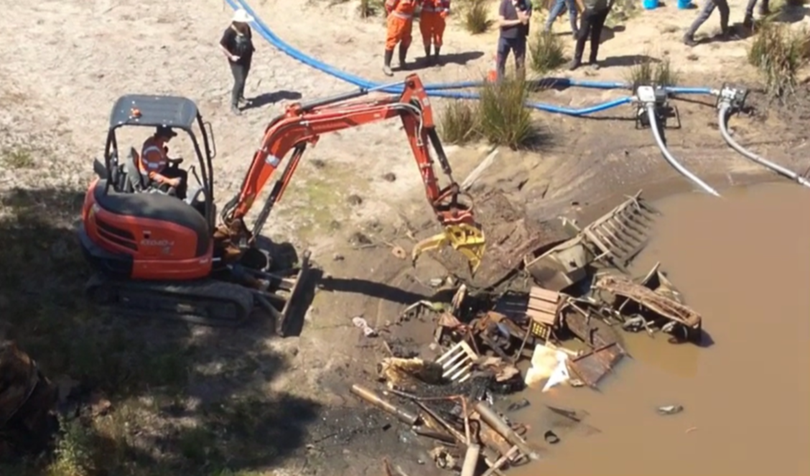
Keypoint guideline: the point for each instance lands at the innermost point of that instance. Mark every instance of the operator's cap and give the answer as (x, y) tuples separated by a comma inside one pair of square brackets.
[(165, 131)]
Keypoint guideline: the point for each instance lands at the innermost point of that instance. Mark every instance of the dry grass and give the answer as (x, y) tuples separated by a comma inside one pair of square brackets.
[(779, 53), (17, 158), (651, 72), (546, 52), (476, 16)]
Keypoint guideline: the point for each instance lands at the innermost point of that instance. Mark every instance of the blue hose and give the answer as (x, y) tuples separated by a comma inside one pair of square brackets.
[(440, 90)]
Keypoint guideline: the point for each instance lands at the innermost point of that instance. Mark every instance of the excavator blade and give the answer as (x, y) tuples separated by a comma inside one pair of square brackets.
[(464, 238)]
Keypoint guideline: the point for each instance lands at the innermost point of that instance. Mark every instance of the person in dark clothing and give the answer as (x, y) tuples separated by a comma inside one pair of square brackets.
[(705, 12), (590, 26), (513, 19), (764, 10), (557, 9), (237, 45)]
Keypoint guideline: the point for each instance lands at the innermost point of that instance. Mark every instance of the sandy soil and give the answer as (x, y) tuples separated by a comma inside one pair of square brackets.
[(74, 58)]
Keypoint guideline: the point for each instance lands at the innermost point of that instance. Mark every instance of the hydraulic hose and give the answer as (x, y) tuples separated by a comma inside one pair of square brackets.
[(441, 90), (722, 119), (670, 158)]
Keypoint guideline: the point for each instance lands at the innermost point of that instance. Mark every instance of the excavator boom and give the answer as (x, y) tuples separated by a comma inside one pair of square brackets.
[(303, 124)]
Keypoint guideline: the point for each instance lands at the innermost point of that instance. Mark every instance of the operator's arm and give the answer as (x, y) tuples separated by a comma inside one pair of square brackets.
[(152, 164), (225, 43)]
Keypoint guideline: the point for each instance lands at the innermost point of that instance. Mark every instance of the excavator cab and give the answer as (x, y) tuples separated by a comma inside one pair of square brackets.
[(119, 170)]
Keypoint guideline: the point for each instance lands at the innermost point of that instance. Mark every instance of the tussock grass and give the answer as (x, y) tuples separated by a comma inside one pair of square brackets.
[(546, 52), (504, 118), (476, 16), (778, 53), (649, 72), (499, 117)]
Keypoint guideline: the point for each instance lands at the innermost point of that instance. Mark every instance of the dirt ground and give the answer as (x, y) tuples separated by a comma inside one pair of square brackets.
[(212, 401)]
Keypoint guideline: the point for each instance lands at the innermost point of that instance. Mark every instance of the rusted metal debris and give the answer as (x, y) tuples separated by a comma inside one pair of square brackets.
[(613, 239), (653, 302), (580, 297)]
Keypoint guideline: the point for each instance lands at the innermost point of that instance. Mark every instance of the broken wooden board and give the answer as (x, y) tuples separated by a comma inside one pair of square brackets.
[(510, 236), (619, 235), (591, 367)]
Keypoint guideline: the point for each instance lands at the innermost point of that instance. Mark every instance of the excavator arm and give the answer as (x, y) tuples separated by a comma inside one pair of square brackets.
[(303, 124)]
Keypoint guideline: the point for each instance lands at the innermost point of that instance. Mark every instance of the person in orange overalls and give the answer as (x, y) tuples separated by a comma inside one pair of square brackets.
[(431, 23), (399, 27)]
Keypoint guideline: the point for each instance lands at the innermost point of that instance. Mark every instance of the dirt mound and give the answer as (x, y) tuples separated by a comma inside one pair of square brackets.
[(510, 235)]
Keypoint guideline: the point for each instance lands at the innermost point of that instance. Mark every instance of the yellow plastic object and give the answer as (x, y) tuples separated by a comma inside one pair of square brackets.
[(464, 238)]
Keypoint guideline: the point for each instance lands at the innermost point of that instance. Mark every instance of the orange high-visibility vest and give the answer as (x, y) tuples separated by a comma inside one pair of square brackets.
[(402, 8), (153, 159), (436, 6)]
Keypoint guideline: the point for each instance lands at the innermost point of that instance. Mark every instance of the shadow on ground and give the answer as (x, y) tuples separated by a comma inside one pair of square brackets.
[(627, 60), (271, 98), (451, 58), (184, 399)]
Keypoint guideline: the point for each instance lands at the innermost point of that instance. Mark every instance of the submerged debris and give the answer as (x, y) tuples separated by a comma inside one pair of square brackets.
[(566, 322), (670, 409)]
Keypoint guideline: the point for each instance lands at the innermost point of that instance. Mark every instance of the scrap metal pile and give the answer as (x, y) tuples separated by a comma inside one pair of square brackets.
[(565, 321)]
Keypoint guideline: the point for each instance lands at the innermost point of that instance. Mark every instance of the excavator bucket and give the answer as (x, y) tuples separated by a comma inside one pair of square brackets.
[(464, 238)]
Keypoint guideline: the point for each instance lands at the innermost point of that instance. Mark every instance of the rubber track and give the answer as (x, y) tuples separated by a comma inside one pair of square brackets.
[(127, 294)]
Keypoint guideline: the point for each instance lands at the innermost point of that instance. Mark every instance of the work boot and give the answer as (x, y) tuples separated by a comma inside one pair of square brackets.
[(574, 64), (748, 22), (437, 61), (387, 65), (688, 40), (428, 58), (403, 53), (235, 110)]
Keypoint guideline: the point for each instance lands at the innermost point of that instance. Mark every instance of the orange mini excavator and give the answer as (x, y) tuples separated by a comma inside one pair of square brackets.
[(159, 255)]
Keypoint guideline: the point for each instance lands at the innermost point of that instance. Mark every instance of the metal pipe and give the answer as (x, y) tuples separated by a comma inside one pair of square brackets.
[(470, 460), (492, 419), (670, 158), (374, 399), (722, 119)]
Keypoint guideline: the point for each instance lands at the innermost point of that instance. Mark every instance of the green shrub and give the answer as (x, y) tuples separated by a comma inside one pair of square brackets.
[(546, 52), (778, 53), (476, 16), (459, 122), (74, 450), (504, 119)]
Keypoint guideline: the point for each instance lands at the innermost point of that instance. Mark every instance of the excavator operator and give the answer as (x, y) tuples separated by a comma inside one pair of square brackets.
[(399, 28), (153, 164)]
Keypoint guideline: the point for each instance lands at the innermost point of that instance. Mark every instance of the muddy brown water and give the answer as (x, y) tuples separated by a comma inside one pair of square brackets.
[(744, 263)]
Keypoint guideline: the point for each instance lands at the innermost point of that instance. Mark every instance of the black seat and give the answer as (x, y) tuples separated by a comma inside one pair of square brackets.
[(155, 206)]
